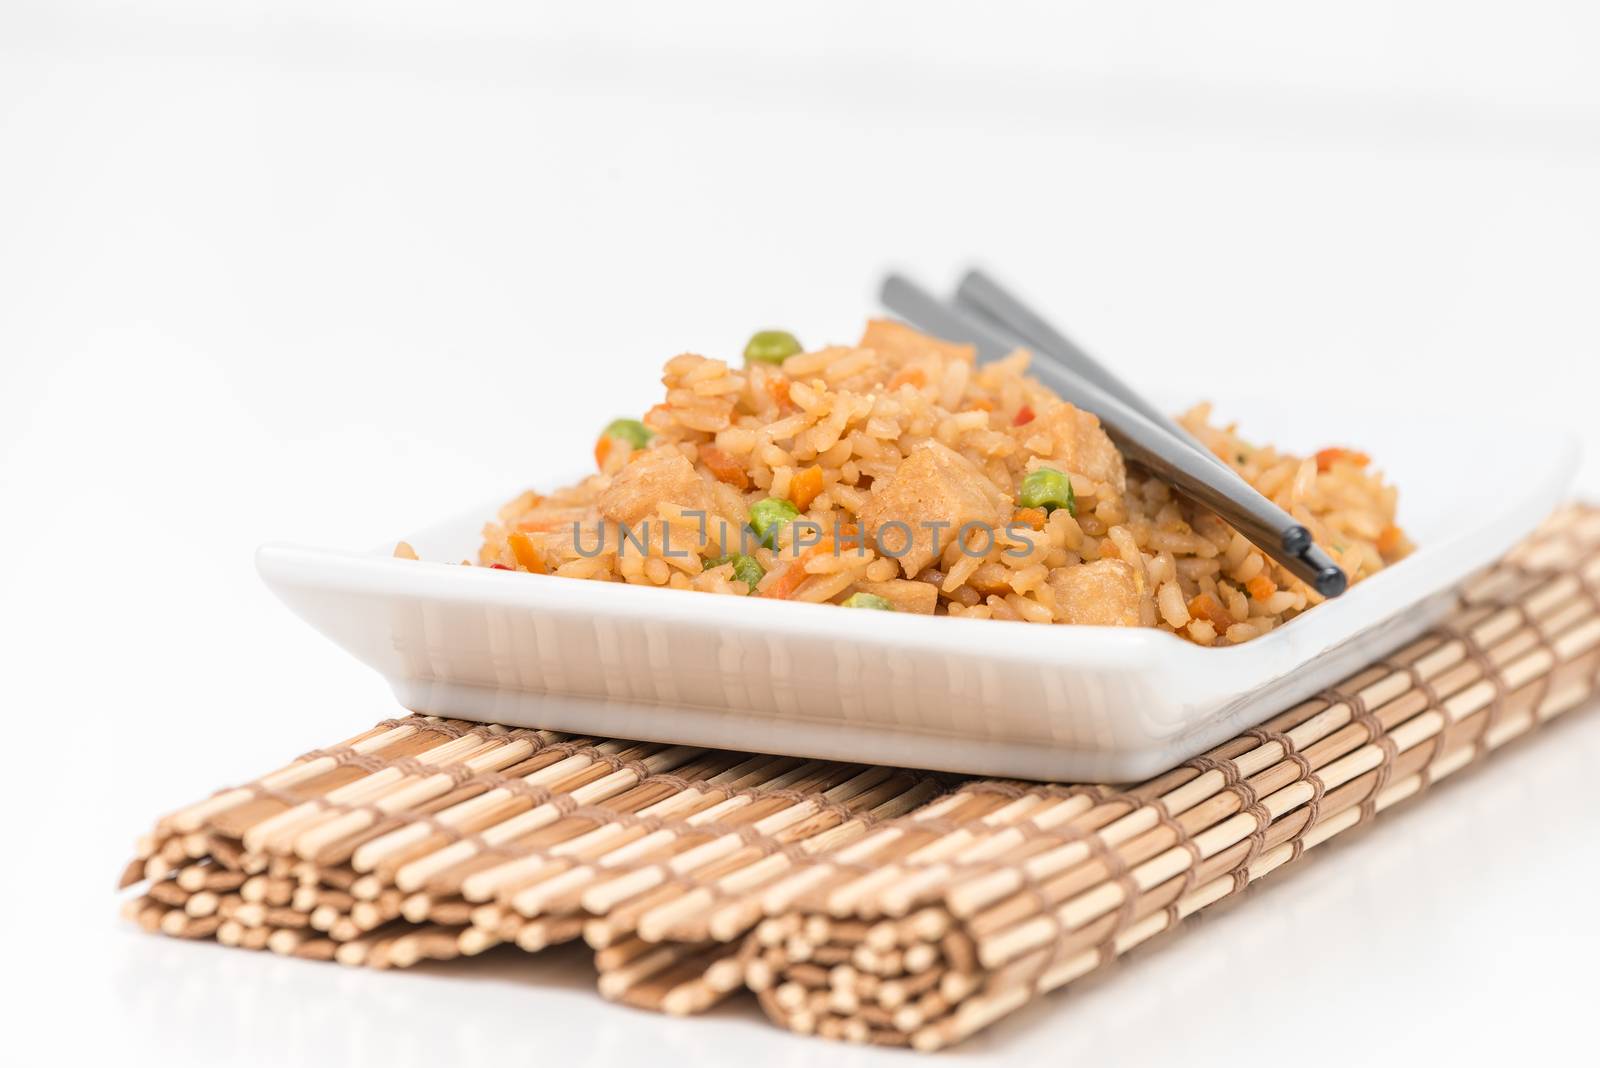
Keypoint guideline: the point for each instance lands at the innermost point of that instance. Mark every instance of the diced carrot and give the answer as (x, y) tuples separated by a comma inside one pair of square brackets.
[(1391, 540), (1024, 416), (1034, 517), (908, 376), (805, 486), (1204, 606), (602, 449), (1326, 458), (849, 538), (527, 555), (787, 581), (778, 390), (1261, 587), (724, 467)]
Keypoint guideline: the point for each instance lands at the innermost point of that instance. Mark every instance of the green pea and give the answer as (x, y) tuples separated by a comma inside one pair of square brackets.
[(1047, 488), (745, 568), (868, 600), (768, 515), (748, 571), (770, 346), (632, 431)]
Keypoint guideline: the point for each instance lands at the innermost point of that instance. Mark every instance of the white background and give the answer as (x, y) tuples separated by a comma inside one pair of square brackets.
[(322, 271)]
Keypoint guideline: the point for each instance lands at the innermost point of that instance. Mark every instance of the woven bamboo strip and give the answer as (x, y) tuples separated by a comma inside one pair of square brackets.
[(1022, 914), (280, 856), (901, 908)]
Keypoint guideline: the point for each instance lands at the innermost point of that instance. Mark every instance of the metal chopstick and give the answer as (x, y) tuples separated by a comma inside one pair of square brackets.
[(1150, 444), (980, 293), (983, 294)]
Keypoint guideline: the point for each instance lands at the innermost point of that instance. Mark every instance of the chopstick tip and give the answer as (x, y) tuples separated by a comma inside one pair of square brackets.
[(1329, 579)]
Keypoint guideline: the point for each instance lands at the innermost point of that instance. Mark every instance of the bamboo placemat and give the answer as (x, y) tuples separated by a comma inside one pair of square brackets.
[(873, 904)]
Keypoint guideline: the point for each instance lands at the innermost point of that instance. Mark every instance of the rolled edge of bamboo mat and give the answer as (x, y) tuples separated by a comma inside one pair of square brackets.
[(871, 904)]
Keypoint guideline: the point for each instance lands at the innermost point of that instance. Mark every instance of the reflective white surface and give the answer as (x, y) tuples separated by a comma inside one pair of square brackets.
[(320, 271)]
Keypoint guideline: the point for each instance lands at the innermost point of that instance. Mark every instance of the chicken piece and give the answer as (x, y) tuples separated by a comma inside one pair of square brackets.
[(1079, 445), (904, 594), (934, 492), (1104, 593), (897, 343), (660, 476)]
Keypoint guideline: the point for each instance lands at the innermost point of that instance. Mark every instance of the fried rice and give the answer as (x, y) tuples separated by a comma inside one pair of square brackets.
[(894, 467)]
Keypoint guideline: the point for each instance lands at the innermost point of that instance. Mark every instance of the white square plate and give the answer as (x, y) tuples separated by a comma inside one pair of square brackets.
[(980, 696)]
